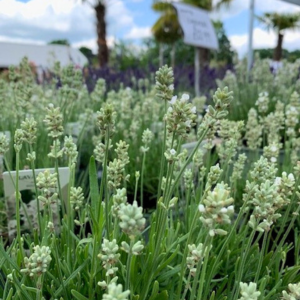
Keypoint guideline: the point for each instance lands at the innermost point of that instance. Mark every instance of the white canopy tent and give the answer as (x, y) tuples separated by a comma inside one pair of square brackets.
[(251, 21), (43, 56)]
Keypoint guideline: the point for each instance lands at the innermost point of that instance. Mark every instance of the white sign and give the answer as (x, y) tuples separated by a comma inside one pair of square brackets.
[(197, 27), (28, 209)]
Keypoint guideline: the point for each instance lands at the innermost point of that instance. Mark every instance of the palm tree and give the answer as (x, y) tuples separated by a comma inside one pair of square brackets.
[(280, 23), (100, 11), (166, 29)]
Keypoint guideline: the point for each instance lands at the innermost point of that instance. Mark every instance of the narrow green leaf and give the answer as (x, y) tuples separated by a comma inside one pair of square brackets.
[(10, 294), (78, 296), (70, 278), (94, 188), (162, 296), (155, 290)]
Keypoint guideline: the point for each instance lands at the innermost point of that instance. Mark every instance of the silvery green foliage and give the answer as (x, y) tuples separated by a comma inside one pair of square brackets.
[(180, 116), (4, 144), (47, 182), (70, 149), (199, 103), (131, 218), (217, 209), (198, 158), (109, 256), (55, 149), (229, 80), (213, 175), (266, 202), (274, 122), (147, 138), (262, 102), (195, 256), (119, 197), (248, 291), (271, 152), (18, 139), (135, 250), (29, 127), (286, 185), (188, 179), (238, 167), (171, 155), (115, 292), (76, 197), (293, 293), (116, 173), (295, 100), (253, 130), (38, 262), (106, 119), (122, 152), (291, 120), (263, 170), (222, 99), (164, 80), (230, 133), (53, 121), (99, 90)]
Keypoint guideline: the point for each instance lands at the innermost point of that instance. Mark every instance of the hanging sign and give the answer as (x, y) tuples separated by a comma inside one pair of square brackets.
[(197, 27)]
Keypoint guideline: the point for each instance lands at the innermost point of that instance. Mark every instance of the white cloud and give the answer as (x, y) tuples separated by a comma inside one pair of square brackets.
[(138, 33), (264, 39), (40, 21), (92, 43), (237, 6)]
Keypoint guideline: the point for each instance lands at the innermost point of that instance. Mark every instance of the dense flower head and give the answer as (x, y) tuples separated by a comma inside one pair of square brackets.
[(29, 127), (115, 292), (109, 256), (106, 119), (4, 144), (248, 291), (253, 134), (293, 293), (38, 262), (180, 116), (131, 218), (76, 197), (217, 209), (53, 121), (164, 80), (263, 102)]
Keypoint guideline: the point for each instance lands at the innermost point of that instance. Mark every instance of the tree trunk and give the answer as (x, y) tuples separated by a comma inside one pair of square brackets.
[(278, 50), (173, 56), (161, 54), (101, 34), (204, 57)]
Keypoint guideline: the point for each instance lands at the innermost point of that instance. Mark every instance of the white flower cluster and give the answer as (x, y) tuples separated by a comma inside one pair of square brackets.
[(115, 292), (195, 256), (131, 218), (38, 262), (181, 116), (262, 102), (147, 137), (294, 292), (109, 256), (53, 121), (217, 209), (248, 291)]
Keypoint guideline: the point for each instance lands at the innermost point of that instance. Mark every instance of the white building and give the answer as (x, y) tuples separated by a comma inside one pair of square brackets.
[(42, 56)]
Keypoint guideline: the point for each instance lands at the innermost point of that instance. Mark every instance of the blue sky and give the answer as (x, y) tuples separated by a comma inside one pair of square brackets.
[(40, 21)]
